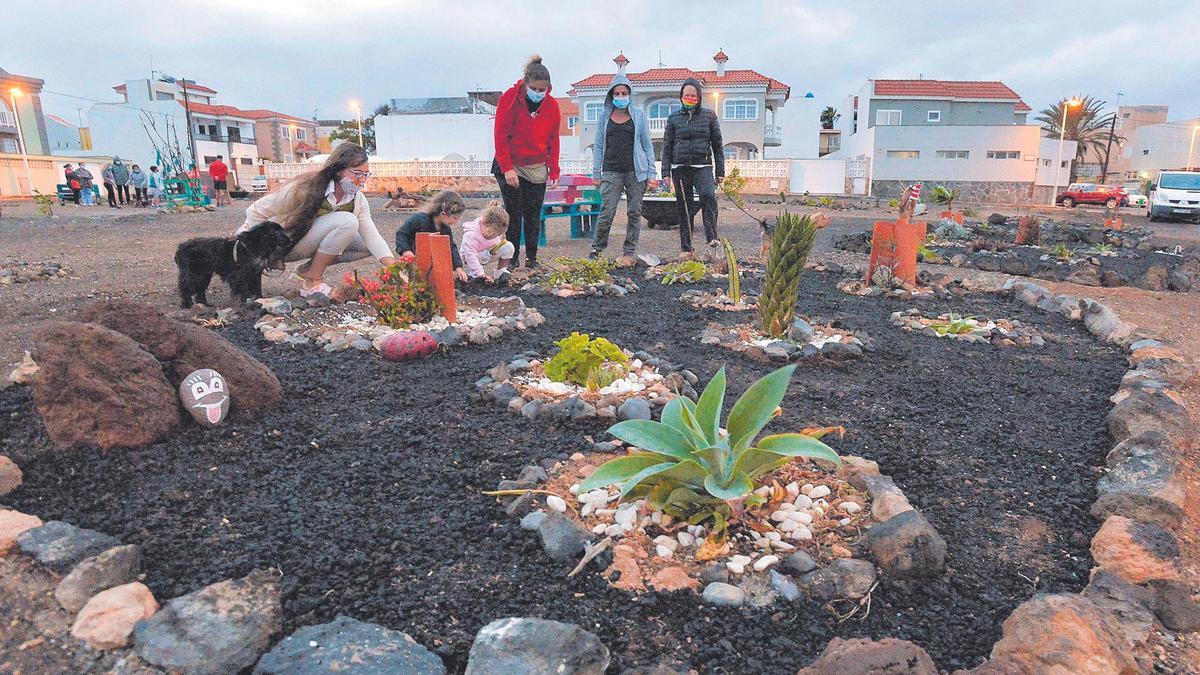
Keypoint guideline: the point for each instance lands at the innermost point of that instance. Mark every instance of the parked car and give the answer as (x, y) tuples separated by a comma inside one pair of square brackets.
[(1135, 197), (1109, 196), (1175, 195)]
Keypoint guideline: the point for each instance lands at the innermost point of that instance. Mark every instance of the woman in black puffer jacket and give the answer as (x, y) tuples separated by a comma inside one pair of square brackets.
[(691, 146)]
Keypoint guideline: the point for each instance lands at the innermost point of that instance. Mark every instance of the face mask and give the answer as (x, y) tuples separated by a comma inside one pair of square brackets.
[(349, 186), (535, 96), (690, 102), (621, 102)]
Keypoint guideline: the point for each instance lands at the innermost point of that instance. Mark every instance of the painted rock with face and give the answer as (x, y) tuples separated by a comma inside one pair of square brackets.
[(408, 345), (205, 396)]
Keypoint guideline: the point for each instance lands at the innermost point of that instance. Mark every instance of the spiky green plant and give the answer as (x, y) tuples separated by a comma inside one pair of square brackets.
[(794, 238), (688, 459), (1062, 252), (735, 275)]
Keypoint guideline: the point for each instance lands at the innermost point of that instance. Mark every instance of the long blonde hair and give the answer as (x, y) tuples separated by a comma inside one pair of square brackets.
[(306, 192), (493, 221)]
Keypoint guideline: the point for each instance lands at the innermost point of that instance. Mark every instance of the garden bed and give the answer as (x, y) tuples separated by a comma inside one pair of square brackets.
[(364, 487)]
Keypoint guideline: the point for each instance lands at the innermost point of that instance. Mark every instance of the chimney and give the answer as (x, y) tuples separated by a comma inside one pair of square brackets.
[(720, 58), (621, 62)]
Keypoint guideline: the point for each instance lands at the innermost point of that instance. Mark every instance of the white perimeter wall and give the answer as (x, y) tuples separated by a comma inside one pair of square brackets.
[(818, 176), (403, 137)]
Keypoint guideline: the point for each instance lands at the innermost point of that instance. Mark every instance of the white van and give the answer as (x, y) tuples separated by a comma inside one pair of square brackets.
[(1175, 195)]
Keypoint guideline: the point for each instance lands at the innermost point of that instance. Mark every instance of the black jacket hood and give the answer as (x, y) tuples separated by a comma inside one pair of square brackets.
[(699, 89)]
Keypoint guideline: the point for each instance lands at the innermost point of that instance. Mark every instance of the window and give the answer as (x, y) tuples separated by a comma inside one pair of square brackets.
[(904, 154), (1146, 151), (933, 116), (887, 118), (209, 159), (246, 160), (1004, 154), (301, 134), (572, 121), (953, 154), (8, 145), (661, 110), (1045, 162), (741, 109), (592, 111), (730, 152)]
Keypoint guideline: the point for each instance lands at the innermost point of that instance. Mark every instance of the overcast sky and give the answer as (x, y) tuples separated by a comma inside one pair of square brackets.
[(303, 56)]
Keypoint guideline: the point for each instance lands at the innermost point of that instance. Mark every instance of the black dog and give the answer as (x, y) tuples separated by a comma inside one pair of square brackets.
[(239, 261)]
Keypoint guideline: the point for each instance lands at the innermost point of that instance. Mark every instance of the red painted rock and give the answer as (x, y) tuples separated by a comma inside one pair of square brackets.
[(184, 347), (100, 388), (205, 396), (408, 345), (107, 620)]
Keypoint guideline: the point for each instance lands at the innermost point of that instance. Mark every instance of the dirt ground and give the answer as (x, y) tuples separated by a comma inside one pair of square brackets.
[(129, 254)]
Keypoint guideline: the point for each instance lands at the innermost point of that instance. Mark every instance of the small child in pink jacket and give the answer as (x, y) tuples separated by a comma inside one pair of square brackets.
[(483, 241)]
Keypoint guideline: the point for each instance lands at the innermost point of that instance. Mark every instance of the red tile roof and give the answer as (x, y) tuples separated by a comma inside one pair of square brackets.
[(621, 58), (301, 146), (720, 56), (1022, 106), (708, 78), (230, 111), (967, 89), (566, 105), (191, 86)]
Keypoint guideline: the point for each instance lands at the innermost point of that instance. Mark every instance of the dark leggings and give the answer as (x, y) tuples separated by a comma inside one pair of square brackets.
[(689, 181), (140, 194), (111, 191), (75, 195), (524, 207), (123, 193)]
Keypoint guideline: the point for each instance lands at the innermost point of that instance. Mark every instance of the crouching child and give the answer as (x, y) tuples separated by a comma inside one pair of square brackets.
[(483, 241)]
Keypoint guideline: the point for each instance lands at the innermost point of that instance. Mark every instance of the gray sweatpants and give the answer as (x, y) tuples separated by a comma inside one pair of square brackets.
[(612, 183)]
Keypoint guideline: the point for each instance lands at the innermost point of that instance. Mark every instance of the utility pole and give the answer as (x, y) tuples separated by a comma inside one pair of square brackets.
[(1111, 132), (187, 108)]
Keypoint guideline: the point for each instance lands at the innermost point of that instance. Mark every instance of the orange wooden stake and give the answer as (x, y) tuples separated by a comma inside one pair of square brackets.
[(894, 245), (434, 262)]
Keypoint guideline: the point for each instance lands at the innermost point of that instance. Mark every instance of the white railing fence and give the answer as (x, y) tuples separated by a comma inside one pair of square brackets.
[(7, 119), (658, 124), (749, 168)]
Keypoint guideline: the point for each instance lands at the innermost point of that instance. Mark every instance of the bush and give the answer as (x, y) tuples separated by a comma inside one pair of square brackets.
[(592, 363), (580, 271), (400, 296), (683, 272)]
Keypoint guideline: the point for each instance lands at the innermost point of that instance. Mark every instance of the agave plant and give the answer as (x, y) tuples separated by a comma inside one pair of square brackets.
[(688, 458), (735, 275), (794, 238)]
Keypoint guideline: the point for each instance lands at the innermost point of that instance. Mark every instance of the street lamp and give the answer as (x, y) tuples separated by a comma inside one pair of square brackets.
[(358, 115), (13, 94), (1191, 146), (291, 148), (1062, 135)]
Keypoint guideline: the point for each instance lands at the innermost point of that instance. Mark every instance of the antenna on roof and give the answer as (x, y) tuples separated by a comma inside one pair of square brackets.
[(660, 61)]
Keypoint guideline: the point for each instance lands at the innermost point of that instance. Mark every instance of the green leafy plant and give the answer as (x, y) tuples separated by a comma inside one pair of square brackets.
[(793, 241), (925, 254), (587, 362), (1102, 249), (735, 274), (400, 296), (894, 203), (969, 212), (1061, 252), (732, 187), (782, 197), (683, 272), (826, 202), (953, 325), (944, 196), (45, 203), (580, 271), (688, 464)]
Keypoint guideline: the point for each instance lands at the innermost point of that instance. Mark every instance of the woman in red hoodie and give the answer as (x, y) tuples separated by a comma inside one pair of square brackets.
[(526, 161)]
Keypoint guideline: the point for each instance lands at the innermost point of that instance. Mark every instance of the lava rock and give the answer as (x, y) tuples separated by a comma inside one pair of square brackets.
[(1135, 551), (636, 408), (784, 586), (12, 525), (1147, 410), (1128, 602), (100, 388), (1105, 324), (276, 306), (185, 347), (1085, 275), (524, 646), (798, 563), (10, 476), (347, 645), (1142, 482), (906, 546), (726, 595), (504, 393), (1174, 605), (1048, 631), (107, 620), (575, 409), (116, 566), (563, 538), (450, 337), (531, 410), (861, 656), (218, 629), (533, 520), (1111, 278), (997, 219), (1153, 279), (841, 351), (843, 578), (801, 331), (60, 546)]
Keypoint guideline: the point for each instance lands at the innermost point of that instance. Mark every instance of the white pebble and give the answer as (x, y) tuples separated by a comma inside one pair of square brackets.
[(667, 541), (801, 517), (755, 536), (765, 562), (663, 551), (645, 521), (844, 522), (802, 533), (605, 513), (803, 502), (557, 503), (694, 530), (685, 539), (764, 544), (822, 503), (764, 491), (627, 527), (773, 536), (587, 509), (779, 516), (787, 526), (575, 489), (742, 559), (807, 488), (598, 497), (783, 546), (626, 516), (793, 489), (820, 491), (600, 528), (787, 506), (735, 567), (656, 517), (613, 531), (851, 507)]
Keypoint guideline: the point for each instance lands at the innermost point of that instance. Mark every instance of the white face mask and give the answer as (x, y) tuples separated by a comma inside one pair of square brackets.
[(349, 186)]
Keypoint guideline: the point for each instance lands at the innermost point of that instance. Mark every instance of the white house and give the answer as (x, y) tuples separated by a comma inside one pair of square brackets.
[(969, 135), (1158, 147)]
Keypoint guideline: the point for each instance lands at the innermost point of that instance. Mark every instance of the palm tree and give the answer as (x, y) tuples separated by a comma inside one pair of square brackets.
[(828, 116), (1087, 125)]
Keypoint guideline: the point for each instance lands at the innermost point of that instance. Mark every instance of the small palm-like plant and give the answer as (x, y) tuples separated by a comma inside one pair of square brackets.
[(944, 196), (735, 275), (794, 238), (687, 458)]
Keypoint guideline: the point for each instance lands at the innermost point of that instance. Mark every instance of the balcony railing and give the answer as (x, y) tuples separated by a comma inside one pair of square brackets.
[(218, 138), (773, 135), (7, 119), (657, 126)]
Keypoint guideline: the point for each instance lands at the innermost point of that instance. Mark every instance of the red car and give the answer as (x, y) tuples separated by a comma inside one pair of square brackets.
[(1109, 196)]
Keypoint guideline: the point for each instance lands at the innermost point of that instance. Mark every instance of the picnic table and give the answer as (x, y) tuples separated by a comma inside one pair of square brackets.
[(575, 197)]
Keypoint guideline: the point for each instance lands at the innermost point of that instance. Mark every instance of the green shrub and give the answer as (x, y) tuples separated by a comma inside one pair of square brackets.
[(580, 271), (690, 466), (592, 363), (1062, 252), (683, 272), (941, 195)]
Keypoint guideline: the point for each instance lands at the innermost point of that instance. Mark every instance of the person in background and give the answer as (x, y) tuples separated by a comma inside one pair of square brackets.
[(72, 182), (121, 178), (526, 137), (483, 241), (155, 187), (110, 185), (140, 183), (622, 161), (86, 185), (443, 211), (219, 172), (691, 148)]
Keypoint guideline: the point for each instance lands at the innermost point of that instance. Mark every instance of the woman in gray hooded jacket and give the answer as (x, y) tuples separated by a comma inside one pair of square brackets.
[(622, 161)]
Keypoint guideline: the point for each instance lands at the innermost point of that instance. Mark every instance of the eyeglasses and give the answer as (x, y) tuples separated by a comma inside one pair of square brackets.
[(359, 174)]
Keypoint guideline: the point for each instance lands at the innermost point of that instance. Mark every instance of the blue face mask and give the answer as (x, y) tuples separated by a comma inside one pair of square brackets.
[(535, 96), (621, 102)]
